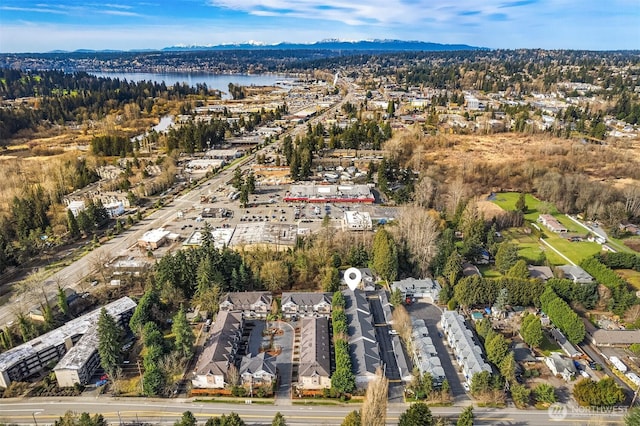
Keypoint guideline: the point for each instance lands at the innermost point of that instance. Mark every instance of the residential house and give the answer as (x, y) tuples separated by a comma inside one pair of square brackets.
[(613, 338), (412, 287), (425, 356), (467, 351), (257, 370), (541, 272), (251, 303), (561, 366), (552, 223), (219, 352), (314, 371), (363, 345), (566, 346), (306, 304), (576, 274)]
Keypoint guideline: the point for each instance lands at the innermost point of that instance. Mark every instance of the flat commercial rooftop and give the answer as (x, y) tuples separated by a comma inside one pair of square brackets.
[(221, 237), (264, 233), (330, 193)]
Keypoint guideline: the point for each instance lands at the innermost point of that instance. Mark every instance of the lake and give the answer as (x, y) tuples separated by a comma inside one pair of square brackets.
[(213, 81)]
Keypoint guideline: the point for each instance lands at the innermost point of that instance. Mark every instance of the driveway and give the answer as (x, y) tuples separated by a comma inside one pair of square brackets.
[(284, 360), (431, 315), (387, 355)]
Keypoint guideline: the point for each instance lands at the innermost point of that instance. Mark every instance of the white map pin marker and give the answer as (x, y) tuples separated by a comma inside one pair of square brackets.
[(352, 277)]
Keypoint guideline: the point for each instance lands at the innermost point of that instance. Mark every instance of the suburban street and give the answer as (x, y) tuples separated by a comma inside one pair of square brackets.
[(118, 410)]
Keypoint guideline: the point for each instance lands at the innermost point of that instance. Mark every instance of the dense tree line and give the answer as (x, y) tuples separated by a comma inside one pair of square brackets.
[(476, 290), (196, 136), (111, 145), (584, 293), (622, 297), (197, 271), (75, 96), (562, 316), (342, 380)]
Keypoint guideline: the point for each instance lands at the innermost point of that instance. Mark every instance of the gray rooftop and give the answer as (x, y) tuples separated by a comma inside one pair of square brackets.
[(363, 345), (306, 298), (75, 327), (260, 362), (576, 273), (244, 299), (218, 352), (314, 347), (80, 353)]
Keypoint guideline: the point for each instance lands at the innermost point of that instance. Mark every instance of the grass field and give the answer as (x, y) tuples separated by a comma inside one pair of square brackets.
[(530, 248), (507, 200), (630, 276)]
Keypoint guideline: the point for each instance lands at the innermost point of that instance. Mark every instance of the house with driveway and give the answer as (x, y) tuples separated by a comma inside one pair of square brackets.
[(419, 288), (305, 304)]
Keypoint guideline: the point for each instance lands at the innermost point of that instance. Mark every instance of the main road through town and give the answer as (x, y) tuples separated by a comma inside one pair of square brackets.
[(73, 274), (41, 411)]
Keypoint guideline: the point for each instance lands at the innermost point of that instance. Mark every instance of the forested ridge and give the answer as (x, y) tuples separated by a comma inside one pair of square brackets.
[(75, 97)]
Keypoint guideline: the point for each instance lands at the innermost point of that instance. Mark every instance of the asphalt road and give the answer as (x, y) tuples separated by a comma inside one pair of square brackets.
[(46, 410), (73, 274), (387, 355)]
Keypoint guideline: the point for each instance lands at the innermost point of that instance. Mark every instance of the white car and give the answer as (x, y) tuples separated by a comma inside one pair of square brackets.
[(466, 387)]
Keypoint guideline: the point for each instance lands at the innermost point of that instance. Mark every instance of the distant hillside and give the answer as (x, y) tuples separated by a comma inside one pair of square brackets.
[(363, 45)]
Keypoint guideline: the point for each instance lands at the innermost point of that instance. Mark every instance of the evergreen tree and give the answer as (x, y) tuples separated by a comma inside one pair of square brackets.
[(63, 305), (521, 203), (385, 256), (72, 225), (466, 417), (506, 256), (109, 342), (418, 414), (188, 419), (531, 330), (238, 179), (183, 334), (278, 420), (352, 419), (144, 312), (251, 183)]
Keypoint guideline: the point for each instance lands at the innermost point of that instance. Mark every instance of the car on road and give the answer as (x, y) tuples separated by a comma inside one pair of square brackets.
[(466, 387)]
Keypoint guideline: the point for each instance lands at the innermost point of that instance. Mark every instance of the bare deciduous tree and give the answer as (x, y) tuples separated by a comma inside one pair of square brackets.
[(402, 323), (420, 229), (374, 409)]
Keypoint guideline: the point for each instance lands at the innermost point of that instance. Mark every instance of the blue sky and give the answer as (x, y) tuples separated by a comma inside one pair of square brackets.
[(41, 25)]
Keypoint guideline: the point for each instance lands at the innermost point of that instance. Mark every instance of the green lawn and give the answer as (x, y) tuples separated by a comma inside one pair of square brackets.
[(630, 276), (576, 251), (488, 271), (507, 200), (548, 345), (530, 247)]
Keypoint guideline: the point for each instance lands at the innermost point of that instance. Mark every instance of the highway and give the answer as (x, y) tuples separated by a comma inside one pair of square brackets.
[(166, 411), (72, 275)]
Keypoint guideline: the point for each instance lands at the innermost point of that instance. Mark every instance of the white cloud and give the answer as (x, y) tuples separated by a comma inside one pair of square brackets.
[(33, 9)]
